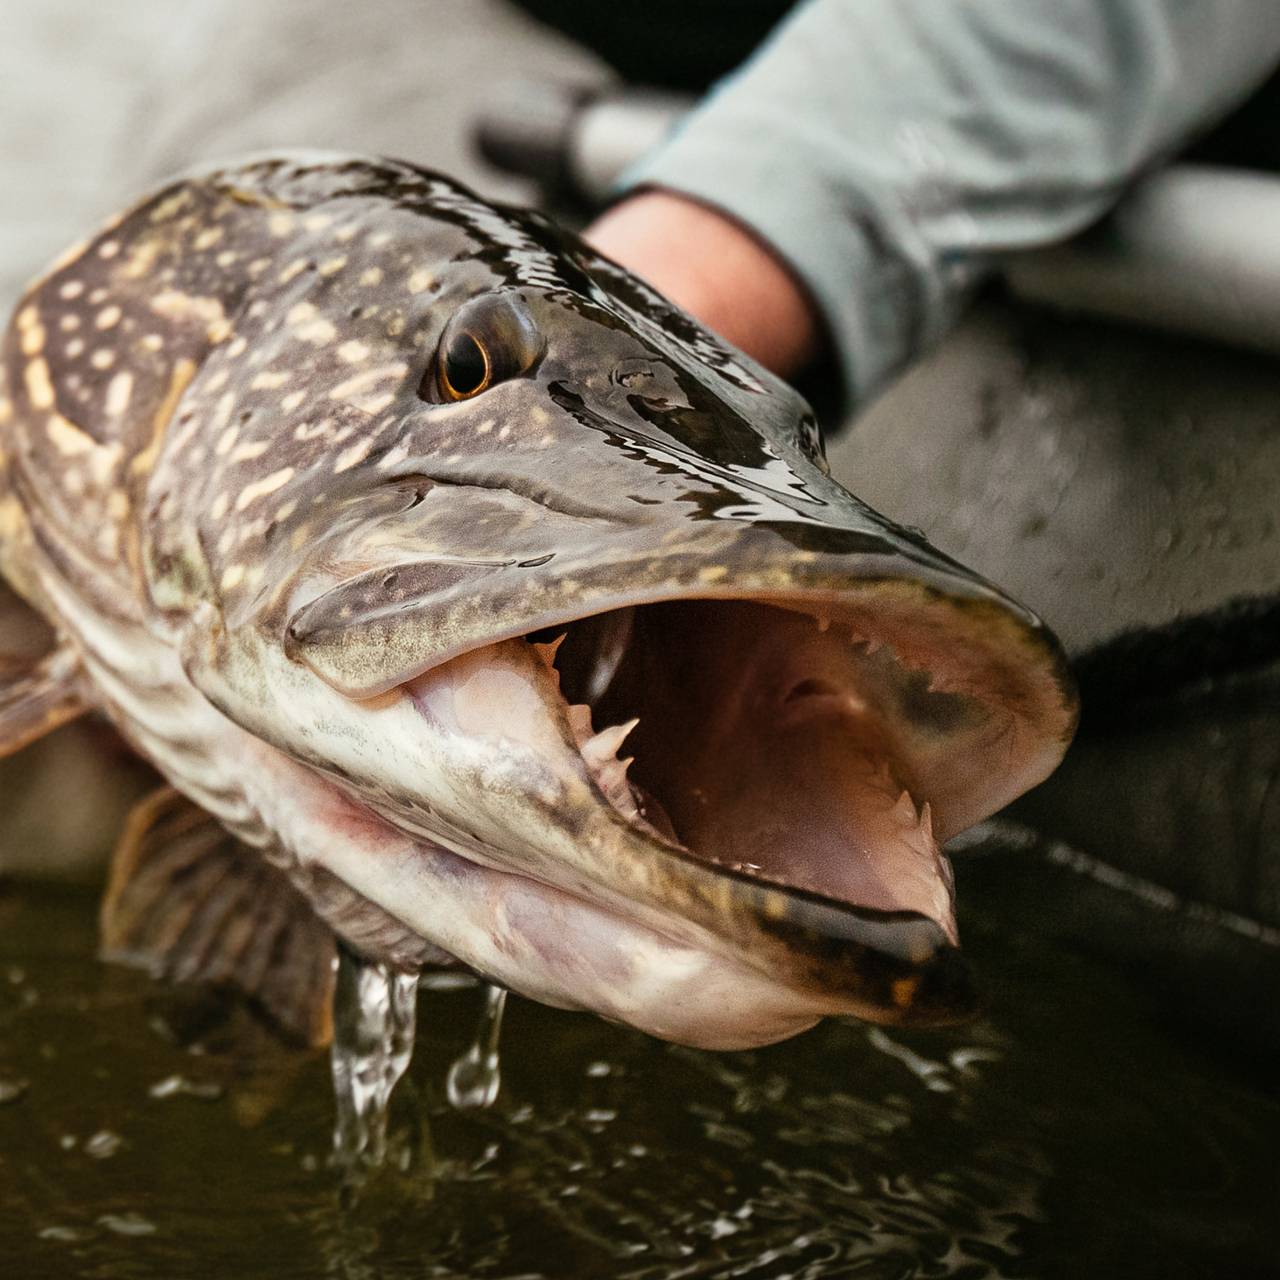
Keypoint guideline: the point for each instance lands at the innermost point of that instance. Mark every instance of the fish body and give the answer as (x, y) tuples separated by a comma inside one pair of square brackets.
[(379, 519)]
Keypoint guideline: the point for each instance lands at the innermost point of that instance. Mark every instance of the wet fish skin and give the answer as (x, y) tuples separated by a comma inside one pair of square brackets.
[(230, 481)]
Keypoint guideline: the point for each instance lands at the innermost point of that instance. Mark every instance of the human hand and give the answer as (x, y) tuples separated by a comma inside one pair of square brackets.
[(717, 270)]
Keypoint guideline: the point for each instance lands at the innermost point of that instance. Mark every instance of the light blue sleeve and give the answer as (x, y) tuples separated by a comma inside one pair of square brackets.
[(887, 149)]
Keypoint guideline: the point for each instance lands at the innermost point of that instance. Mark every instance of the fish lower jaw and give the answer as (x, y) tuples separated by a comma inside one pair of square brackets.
[(412, 902), (418, 903)]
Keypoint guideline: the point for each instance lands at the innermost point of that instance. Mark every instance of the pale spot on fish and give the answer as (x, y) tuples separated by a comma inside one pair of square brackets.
[(249, 450), (292, 400), (68, 323), (119, 393), (142, 258), (107, 317), (258, 266), (208, 238), (301, 313), (331, 266), (151, 342), (349, 458), (280, 224), (97, 296), (236, 348), (394, 457), (226, 440), (221, 505), (168, 207), (357, 391), (320, 332), (32, 339), (108, 248), (269, 380), (175, 305), (712, 572), (295, 268), (232, 577), (66, 437), (371, 277), (317, 221), (74, 347), (117, 504), (107, 542), (39, 388), (103, 358), (226, 258), (261, 488), (485, 427), (420, 281), (72, 289), (353, 352)]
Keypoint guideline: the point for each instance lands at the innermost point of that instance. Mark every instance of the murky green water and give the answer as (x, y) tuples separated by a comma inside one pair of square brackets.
[(1065, 1135)]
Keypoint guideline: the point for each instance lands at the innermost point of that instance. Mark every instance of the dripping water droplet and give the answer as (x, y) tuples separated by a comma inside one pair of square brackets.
[(374, 1016), (474, 1078)]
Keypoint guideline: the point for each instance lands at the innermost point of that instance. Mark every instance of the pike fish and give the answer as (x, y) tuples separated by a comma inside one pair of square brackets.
[(481, 608)]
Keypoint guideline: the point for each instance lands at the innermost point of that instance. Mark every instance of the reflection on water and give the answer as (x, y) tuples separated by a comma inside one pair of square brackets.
[(1064, 1135)]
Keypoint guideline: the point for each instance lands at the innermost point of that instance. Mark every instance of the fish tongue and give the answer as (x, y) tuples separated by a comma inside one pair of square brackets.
[(503, 692)]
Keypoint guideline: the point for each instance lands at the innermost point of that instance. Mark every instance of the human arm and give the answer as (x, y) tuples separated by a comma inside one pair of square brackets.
[(856, 178)]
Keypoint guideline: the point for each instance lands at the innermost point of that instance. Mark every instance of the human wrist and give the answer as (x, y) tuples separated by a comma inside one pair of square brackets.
[(716, 269)]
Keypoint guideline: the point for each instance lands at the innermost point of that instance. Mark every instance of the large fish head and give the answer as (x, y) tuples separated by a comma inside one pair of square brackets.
[(519, 561)]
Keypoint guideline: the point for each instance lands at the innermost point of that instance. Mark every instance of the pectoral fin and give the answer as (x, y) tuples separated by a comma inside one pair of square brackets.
[(190, 903), (36, 696)]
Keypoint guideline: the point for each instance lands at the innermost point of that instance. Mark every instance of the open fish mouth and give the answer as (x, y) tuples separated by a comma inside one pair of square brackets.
[(778, 775), (761, 741)]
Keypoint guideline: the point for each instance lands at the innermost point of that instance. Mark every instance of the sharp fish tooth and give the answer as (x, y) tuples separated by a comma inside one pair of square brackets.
[(547, 652), (604, 746), (905, 810), (926, 818)]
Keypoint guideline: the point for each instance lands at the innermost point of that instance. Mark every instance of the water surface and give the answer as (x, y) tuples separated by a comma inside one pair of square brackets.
[(1066, 1134)]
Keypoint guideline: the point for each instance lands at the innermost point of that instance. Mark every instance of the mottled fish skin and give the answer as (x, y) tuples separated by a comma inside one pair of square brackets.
[(222, 468)]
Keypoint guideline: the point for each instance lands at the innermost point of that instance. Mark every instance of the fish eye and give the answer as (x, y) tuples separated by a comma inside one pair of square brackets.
[(490, 339), (465, 367)]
